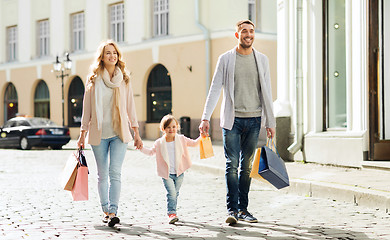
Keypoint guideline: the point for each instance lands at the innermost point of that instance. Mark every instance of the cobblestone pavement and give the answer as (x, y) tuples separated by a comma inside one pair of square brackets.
[(34, 207)]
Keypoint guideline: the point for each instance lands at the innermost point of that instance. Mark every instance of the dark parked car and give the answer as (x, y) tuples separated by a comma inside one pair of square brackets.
[(27, 132)]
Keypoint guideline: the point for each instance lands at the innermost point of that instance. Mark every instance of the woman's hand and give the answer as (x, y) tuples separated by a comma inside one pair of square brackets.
[(81, 140), (137, 139), (138, 144)]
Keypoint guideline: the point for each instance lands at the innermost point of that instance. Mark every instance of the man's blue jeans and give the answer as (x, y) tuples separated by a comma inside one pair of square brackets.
[(172, 185), (239, 146), (109, 191)]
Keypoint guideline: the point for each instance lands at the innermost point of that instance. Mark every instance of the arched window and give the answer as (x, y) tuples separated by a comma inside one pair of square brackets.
[(159, 94), (10, 102), (42, 100), (75, 104)]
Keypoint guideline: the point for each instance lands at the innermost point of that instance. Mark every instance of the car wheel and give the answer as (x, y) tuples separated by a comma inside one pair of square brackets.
[(24, 144), (56, 147)]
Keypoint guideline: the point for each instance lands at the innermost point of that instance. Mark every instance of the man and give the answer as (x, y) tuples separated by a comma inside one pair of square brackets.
[(243, 74)]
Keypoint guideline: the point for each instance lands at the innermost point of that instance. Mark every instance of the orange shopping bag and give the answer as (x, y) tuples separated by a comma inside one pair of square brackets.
[(205, 148), (80, 188), (255, 167)]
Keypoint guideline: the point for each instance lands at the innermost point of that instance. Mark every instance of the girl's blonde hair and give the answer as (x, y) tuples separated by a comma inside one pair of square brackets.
[(98, 66), (166, 120)]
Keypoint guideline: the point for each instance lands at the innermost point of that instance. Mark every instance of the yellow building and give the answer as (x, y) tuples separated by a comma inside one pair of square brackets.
[(170, 47)]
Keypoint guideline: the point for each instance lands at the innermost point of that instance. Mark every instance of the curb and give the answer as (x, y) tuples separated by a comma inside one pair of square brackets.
[(358, 196)]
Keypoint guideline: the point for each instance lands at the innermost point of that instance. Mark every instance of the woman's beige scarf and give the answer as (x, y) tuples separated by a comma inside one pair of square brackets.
[(113, 83)]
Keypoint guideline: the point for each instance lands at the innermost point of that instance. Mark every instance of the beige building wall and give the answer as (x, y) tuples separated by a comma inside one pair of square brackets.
[(182, 53)]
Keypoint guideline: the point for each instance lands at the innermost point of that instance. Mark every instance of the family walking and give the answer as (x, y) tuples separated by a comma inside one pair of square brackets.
[(109, 113)]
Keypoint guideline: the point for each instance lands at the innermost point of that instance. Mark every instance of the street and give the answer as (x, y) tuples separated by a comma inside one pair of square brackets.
[(34, 207)]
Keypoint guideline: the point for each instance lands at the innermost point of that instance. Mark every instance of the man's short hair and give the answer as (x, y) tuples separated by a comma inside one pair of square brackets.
[(247, 21)]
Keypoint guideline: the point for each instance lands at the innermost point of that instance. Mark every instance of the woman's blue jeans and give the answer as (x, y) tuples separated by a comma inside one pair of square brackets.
[(239, 146), (109, 171), (172, 185)]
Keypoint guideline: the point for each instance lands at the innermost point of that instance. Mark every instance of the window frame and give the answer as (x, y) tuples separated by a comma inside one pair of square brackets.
[(43, 38), (116, 15), (77, 31), (160, 18), (325, 83), (252, 11), (12, 43)]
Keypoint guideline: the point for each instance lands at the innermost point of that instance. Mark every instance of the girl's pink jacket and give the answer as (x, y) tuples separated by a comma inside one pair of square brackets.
[(183, 161)]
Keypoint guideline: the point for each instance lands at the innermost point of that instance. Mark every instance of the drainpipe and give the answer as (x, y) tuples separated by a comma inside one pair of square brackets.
[(206, 34), (297, 144)]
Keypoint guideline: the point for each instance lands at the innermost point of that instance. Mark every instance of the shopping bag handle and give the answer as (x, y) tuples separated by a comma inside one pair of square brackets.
[(272, 145)]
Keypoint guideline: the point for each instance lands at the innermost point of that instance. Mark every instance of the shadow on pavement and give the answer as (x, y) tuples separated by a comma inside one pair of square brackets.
[(263, 230)]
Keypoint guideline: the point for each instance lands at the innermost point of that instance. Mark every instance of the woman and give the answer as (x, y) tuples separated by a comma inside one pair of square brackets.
[(108, 108)]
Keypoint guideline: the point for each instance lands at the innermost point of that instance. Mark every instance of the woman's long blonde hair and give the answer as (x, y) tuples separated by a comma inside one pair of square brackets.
[(98, 66)]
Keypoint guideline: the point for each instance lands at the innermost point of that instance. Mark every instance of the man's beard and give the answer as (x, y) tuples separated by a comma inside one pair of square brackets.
[(246, 46)]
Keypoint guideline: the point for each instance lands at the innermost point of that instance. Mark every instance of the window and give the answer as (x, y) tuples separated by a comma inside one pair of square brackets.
[(43, 38), (252, 10), (159, 94), (77, 33), (10, 102), (12, 43), (384, 72), (263, 14), (117, 22), (335, 85), (160, 17), (75, 104), (42, 100)]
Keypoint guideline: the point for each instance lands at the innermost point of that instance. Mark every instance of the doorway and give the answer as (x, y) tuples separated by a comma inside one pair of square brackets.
[(379, 79)]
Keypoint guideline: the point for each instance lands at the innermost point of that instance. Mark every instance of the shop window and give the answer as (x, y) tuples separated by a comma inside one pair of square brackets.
[(159, 94), (10, 102), (75, 104), (335, 92), (42, 100)]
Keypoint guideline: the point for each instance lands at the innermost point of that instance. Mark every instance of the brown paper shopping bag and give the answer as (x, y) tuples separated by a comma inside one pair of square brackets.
[(69, 173), (205, 148)]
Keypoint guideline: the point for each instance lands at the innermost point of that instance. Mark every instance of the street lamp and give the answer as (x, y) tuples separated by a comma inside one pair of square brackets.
[(57, 66)]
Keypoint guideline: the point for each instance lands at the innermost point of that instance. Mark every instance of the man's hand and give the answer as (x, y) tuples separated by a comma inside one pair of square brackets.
[(204, 127), (270, 132)]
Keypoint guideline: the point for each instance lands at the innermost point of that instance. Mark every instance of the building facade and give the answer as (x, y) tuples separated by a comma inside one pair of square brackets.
[(333, 79), (170, 47)]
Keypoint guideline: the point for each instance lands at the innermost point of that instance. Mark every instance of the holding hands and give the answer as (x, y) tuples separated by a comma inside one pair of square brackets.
[(204, 128)]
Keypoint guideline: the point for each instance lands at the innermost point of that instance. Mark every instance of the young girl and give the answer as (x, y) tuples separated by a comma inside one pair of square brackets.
[(172, 160)]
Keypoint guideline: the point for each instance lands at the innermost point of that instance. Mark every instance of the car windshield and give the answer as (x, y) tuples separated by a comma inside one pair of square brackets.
[(41, 122)]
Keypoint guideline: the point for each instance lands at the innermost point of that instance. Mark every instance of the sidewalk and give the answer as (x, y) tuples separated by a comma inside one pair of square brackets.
[(369, 186)]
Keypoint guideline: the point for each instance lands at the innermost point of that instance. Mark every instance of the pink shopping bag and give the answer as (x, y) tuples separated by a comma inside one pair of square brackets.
[(80, 188)]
